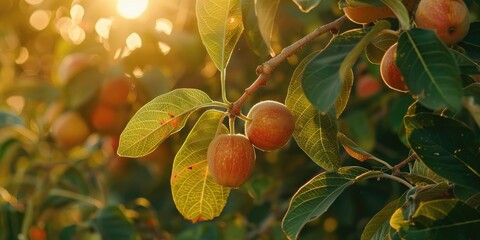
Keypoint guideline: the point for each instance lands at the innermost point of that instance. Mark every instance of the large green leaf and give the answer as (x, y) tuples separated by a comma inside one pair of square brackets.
[(112, 223), (446, 146), (429, 69), (266, 12), (196, 195), (220, 26), (306, 5), (325, 74), (252, 30), (158, 119), (465, 64), (421, 174), (471, 42), (442, 219), (316, 196), (315, 133)]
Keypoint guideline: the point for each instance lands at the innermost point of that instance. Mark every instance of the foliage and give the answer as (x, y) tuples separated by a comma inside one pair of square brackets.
[(147, 177)]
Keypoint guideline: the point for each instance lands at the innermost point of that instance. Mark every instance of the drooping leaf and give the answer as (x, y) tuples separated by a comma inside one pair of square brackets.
[(342, 100), (196, 195), (266, 13), (325, 74), (442, 219), (471, 42), (446, 146), (8, 119), (306, 5), (220, 26), (315, 133), (252, 31), (316, 196), (429, 69), (353, 149), (158, 119), (10, 222), (112, 223)]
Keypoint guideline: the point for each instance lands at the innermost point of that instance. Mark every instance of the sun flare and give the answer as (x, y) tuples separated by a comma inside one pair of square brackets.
[(131, 9)]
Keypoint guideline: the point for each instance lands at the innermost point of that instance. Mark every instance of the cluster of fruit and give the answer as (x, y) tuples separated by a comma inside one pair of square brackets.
[(231, 157), (106, 112), (448, 18)]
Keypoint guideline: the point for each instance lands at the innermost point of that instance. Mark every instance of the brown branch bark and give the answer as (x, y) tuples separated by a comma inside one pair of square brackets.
[(265, 70), (396, 168)]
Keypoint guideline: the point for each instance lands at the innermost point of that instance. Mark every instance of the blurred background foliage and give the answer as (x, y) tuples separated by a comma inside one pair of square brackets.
[(102, 61)]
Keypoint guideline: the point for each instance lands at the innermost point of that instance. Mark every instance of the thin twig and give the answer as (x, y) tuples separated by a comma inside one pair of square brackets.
[(265, 70), (396, 168)]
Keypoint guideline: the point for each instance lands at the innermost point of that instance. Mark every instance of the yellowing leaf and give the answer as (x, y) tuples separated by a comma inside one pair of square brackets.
[(158, 119), (220, 26), (196, 195), (315, 133)]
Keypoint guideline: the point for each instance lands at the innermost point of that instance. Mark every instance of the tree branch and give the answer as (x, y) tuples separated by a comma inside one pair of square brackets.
[(265, 70), (396, 168)]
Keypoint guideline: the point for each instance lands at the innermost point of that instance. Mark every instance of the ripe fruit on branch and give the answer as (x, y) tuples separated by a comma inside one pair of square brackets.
[(449, 18), (70, 130), (389, 71), (368, 14), (271, 126), (231, 158)]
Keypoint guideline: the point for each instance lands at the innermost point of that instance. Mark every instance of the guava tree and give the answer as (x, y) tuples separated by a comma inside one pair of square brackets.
[(383, 90)]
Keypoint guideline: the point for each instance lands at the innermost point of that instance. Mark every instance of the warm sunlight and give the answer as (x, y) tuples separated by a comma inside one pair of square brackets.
[(131, 9)]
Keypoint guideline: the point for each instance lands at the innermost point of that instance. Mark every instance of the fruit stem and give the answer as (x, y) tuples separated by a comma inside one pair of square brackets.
[(264, 71), (231, 124), (223, 76), (75, 196), (396, 168), (392, 177)]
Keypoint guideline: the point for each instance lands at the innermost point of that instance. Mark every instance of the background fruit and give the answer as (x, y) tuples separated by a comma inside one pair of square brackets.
[(107, 119), (115, 92), (389, 71), (368, 14), (70, 130), (231, 159), (449, 18), (271, 126), (367, 86)]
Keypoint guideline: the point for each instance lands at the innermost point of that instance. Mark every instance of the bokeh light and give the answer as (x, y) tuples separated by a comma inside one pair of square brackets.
[(133, 41), (102, 27), (163, 25), (131, 9), (40, 19)]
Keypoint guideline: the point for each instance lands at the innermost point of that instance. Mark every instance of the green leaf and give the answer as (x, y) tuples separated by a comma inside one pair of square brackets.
[(325, 74), (158, 119), (112, 223), (446, 146), (465, 64), (315, 133), (252, 30), (9, 119), (33, 89), (421, 170), (10, 222), (471, 42), (442, 219), (306, 5), (196, 195), (82, 87), (429, 69), (72, 180), (316, 196), (266, 12), (220, 26), (378, 228), (379, 45)]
